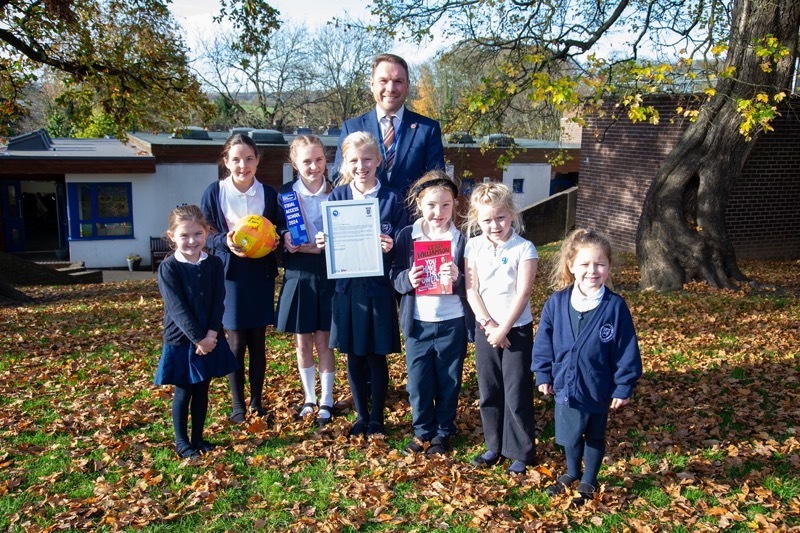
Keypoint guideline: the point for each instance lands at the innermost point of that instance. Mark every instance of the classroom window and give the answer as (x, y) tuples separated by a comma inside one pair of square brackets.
[(518, 183), (100, 210)]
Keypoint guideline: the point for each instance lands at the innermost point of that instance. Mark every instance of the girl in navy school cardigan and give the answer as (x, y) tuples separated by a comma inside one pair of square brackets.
[(364, 309), (195, 350), (586, 355), (249, 283), (436, 327)]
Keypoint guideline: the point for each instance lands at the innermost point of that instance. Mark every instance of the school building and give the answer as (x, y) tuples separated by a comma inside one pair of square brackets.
[(97, 201)]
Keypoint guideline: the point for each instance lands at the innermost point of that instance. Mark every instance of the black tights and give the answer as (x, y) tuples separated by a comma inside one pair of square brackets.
[(254, 341), (590, 452), (368, 376), (187, 398)]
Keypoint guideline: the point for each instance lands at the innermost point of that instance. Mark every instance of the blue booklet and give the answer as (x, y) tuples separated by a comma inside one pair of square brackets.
[(295, 221)]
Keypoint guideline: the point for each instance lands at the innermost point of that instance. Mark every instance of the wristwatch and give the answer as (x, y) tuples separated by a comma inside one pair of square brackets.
[(484, 321)]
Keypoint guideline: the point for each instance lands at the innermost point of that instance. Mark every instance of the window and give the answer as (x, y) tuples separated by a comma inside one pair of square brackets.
[(466, 186), (518, 185), (100, 210)]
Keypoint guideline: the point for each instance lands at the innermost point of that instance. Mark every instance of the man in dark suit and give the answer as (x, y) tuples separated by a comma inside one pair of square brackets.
[(412, 144)]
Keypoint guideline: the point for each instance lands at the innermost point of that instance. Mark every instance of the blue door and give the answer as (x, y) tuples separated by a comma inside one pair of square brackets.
[(11, 209)]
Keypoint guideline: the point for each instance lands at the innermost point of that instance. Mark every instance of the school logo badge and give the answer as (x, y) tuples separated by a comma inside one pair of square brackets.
[(386, 228), (606, 333), (504, 260)]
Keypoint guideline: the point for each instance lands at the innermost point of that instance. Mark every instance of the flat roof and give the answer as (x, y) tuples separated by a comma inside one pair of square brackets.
[(218, 138), (78, 155)]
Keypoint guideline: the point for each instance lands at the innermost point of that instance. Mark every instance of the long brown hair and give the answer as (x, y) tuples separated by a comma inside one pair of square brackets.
[(232, 141)]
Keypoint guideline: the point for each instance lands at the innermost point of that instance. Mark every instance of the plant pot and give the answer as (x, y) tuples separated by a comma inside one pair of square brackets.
[(134, 264)]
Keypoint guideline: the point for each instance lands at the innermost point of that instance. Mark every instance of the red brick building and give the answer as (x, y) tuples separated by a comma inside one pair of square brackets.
[(619, 160)]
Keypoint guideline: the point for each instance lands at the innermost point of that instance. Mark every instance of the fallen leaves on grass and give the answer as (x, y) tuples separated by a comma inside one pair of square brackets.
[(710, 441)]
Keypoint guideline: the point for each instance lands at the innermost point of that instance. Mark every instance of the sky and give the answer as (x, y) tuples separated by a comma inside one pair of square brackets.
[(313, 12), (195, 15)]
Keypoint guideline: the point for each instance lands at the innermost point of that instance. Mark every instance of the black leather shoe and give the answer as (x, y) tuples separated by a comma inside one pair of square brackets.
[(358, 429), (562, 483), (585, 494), (439, 446), (482, 462), (187, 452), (204, 446), (376, 428), (415, 445)]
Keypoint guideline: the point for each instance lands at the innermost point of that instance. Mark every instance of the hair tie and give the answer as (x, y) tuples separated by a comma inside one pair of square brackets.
[(438, 182)]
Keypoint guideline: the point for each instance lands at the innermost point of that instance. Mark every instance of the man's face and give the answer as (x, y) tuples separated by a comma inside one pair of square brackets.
[(389, 84)]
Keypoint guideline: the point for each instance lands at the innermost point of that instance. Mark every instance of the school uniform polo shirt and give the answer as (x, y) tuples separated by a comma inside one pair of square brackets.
[(498, 270)]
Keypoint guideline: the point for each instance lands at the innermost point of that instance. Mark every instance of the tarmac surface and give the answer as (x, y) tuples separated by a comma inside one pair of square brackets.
[(111, 276)]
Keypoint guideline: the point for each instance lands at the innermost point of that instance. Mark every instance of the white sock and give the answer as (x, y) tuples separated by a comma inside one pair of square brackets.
[(307, 376), (326, 380)]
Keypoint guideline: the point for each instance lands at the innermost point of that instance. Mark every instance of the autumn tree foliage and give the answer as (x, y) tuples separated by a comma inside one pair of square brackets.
[(122, 58), (582, 54)]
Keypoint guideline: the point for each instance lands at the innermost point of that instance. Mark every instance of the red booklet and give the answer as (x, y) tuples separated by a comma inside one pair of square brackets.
[(430, 255)]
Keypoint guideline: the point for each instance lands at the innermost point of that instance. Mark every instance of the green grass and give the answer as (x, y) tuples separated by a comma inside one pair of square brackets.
[(86, 440)]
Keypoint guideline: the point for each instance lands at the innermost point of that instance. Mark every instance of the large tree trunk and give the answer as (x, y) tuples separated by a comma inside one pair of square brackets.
[(682, 233), (8, 294)]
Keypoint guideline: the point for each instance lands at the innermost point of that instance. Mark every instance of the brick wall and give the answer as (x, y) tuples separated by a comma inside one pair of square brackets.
[(619, 159), (484, 164)]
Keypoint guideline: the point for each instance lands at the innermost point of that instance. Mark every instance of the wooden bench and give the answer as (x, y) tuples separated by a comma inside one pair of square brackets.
[(159, 250)]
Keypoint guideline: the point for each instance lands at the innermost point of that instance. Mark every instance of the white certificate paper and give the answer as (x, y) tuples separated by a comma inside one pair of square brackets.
[(352, 238)]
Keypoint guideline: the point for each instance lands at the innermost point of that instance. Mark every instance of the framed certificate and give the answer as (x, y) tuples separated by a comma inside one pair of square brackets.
[(352, 238)]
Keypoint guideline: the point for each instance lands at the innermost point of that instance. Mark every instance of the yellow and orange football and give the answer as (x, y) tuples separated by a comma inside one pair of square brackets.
[(256, 235)]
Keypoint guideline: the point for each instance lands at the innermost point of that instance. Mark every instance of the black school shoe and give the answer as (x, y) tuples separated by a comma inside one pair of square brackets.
[(376, 428), (481, 461), (358, 429), (204, 446), (585, 494), (439, 446), (562, 483), (259, 411), (323, 421), (185, 451), (299, 417), (415, 445)]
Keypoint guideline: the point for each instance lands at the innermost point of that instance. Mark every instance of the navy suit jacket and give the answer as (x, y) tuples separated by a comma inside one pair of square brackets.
[(419, 147)]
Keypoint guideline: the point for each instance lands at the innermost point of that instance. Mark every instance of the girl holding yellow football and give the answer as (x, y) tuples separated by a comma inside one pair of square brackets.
[(249, 282)]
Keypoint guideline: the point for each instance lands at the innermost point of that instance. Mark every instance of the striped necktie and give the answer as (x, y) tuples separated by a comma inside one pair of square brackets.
[(388, 140)]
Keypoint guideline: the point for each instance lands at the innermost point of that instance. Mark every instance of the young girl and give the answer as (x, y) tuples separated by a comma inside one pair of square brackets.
[(501, 267), (195, 350), (304, 305), (433, 325), (364, 309), (249, 283), (586, 355)]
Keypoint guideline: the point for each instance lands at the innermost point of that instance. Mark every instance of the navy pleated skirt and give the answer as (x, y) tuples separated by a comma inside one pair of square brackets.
[(364, 324), (180, 365), (306, 298)]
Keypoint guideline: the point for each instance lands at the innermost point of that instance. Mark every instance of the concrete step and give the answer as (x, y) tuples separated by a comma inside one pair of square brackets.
[(87, 276)]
